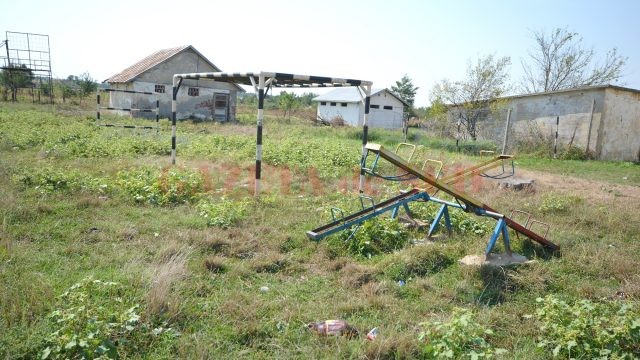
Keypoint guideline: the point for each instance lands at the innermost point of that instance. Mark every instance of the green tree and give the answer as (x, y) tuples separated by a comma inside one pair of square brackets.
[(66, 91), (467, 100), (559, 61), (405, 89), (247, 99), (86, 84), (287, 102), (306, 99), (15, 78)]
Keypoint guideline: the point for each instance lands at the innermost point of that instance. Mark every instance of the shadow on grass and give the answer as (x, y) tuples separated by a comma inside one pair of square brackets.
[(532, 250), (495, 285)]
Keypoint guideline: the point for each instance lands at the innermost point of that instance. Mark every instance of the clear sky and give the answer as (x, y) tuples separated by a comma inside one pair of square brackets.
[(371, 40)]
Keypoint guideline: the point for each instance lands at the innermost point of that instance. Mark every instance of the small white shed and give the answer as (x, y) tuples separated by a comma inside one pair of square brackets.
[(386, 109)]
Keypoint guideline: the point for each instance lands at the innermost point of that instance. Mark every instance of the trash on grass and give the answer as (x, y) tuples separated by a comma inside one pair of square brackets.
[(333, 327), (372, 334)]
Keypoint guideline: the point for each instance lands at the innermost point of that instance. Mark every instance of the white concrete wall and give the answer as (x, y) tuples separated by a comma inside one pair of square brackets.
[(350, 113), (383, 118), (353, 112), (619, 133)]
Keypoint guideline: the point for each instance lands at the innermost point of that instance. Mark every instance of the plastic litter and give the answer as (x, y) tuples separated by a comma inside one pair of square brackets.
[(372, 334), (333, 327)]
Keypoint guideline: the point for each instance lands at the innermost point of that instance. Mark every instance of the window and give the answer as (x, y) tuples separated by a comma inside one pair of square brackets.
[(194, 92), (343, 104), (160, 89), (375, 106), (333, 104), (387, 107), (323, 103)]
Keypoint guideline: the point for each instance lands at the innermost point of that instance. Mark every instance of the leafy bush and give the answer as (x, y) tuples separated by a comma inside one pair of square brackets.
[(167, 187), (49, 179), (589, 330), (375, 236), (461, 222), (223, 212), (95, 321), (574, 153), (458, 338)]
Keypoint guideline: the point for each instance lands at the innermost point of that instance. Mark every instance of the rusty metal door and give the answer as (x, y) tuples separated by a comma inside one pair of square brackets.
[(221, 107)]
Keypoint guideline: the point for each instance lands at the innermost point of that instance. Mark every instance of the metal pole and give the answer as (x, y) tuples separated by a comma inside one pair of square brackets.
[(593, 107), (98, 106), (555, 141), (458, 134), (49, 72), (256, 189), (365, 133), (6, 46), (174, 93), (157, 113), (506, 132), (9, 73)]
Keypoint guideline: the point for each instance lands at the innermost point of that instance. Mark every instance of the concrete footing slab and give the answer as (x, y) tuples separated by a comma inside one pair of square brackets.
[(517, 184), (494, 260)]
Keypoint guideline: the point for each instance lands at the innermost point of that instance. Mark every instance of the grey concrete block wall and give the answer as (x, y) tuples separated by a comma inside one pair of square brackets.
[(198, 107), (619, 134), (615, 128)]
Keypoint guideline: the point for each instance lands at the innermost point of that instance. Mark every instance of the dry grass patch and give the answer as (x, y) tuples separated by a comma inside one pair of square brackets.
[(24, 300), (396, 346), (355, 275), (215, 264), (128, 233), (216, 245), (270, 262), (89, 201), (161, 300)]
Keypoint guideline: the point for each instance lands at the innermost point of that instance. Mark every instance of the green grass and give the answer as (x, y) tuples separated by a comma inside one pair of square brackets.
[(232, 276)]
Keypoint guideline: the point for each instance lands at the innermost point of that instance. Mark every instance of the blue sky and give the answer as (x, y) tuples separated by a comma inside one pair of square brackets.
[(373, 40)]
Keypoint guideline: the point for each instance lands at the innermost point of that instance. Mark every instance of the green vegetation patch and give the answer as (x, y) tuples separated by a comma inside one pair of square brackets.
[(95, 319), (460, 337), (374, 237), (168, 186), (223, 212), (587, 329)]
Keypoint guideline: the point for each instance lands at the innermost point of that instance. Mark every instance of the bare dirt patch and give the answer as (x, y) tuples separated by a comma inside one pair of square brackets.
[(585, 188)]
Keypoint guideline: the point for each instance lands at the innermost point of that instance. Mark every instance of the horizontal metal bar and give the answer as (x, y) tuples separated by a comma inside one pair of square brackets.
[(128, 126), (129, 91), (363, 215), (128, 109)]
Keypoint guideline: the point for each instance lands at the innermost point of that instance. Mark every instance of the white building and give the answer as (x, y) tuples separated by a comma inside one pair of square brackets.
[(386, 109)]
